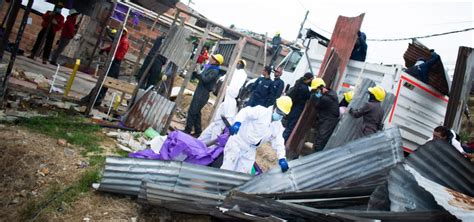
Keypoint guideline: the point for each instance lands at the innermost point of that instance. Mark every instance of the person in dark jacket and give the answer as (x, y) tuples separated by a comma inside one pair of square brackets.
[(278, 84), (207, 80), (299, 95), (68, 33), (422, 67), (262, 90), (154, 73), (360, 48), (345, 102), (371, 112), (327, 113)]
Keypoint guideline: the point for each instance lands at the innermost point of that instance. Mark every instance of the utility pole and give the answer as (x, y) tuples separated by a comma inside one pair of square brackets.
[(301, 27)]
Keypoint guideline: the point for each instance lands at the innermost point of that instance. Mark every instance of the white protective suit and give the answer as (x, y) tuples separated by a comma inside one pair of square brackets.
[(257, 128), (228, 108)]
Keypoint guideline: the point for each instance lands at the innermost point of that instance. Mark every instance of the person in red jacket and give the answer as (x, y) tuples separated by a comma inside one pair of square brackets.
[(68, 32), (52, 22), (114, 71)]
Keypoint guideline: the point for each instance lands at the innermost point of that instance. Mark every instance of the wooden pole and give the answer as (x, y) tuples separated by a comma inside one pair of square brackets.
[(12, 14), (100, 81), (265, 51), (236, 54), (101, 36)]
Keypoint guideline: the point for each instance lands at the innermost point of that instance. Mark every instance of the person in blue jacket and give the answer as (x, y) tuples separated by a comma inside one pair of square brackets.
[(360, 48), (278, 84), (422, 67), (262, 91)]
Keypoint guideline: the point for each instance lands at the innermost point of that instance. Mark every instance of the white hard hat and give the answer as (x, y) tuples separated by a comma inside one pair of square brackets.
[(73, 11)]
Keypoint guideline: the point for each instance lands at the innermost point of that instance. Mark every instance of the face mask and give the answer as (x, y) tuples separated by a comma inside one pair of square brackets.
[(276, 116)]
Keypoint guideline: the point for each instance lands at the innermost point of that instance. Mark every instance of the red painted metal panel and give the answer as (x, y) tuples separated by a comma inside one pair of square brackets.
[(337, 55)]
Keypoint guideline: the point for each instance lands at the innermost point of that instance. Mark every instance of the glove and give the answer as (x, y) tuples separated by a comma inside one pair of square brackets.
[(318, 94), (235, 128), (283, 164), (351, 111)]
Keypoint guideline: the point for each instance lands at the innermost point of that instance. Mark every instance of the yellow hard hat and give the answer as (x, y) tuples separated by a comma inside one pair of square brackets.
[(348, 96), (316, 83), (378, 92), (243, 62), (113, 31), (284, 103), (219, 58), (277, 33), (125, 29)]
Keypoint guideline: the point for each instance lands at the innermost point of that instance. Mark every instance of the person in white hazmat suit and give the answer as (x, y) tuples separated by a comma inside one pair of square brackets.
[(252, 127), (228, 108)]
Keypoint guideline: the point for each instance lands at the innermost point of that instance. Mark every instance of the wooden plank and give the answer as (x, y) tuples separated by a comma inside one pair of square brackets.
[(119, 85)]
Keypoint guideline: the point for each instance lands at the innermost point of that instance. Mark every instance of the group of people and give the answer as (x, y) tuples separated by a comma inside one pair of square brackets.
[(260, 121), (52, 22)]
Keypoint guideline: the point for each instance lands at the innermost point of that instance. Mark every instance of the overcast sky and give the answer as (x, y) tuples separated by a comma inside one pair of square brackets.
[(383, 19)]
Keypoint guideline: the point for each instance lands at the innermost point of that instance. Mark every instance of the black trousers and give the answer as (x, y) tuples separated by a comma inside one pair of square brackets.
[(114, 73), (48, 44)]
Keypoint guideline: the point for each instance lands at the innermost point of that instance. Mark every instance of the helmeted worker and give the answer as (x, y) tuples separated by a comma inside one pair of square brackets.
[(278, 84), (371, 112), (300, 93), (327, 114), (228, 108), (207, 80), (345, 102), (254, 126), (114, 70), (262, 90)]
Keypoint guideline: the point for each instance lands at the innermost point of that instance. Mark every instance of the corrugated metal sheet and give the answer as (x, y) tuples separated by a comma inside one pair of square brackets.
[(459, 95), (307, 118), (226, 48), (151, 110), (438, 79), (362, 162), (154, 181), (417, 110), (406, 195), (379, 199), (176, 47), (443, 164), (348, 127), (458, 204), (422, 216)]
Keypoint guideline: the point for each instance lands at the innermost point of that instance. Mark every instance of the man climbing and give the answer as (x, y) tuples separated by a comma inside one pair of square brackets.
[(327, 113), (254, 126), (228, 108), (262, 90), (207, 80), (371, 112), (422, 67), (299, 94)]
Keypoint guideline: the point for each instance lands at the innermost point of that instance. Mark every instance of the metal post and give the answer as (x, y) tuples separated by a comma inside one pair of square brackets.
[(54, 79), (101, 80), (265, 51), (21, 29), (301, 27), (71, 78)]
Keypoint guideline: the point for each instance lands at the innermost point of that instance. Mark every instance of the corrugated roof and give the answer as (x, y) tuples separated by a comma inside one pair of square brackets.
[(437, 76), (362, 162), (348, 127), (458, 204), (443, 164)]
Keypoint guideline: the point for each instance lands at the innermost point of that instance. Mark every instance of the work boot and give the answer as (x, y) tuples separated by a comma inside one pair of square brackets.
[(45, 61), (53, 63), (32, 56)]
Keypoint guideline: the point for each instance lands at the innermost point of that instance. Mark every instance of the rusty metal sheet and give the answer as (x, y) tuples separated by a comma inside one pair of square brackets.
[(176, 47), (152, 110), (337, 55), (459, 95), (437, 76)]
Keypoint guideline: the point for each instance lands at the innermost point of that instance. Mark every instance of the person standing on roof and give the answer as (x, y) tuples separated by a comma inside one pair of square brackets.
[(207, 81), (371, 112), (228, 108), (360, 48), (68, 33), (422, 67), (52, 22), (278, 84), (299, 94), (327, 113), (254, 126), (114, 70), (262, 90), (345, 102)]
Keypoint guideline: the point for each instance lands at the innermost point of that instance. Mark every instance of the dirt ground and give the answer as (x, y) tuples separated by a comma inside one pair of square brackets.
[(32, 163)]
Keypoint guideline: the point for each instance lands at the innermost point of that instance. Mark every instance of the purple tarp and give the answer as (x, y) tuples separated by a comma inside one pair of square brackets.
[(180, 145)]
